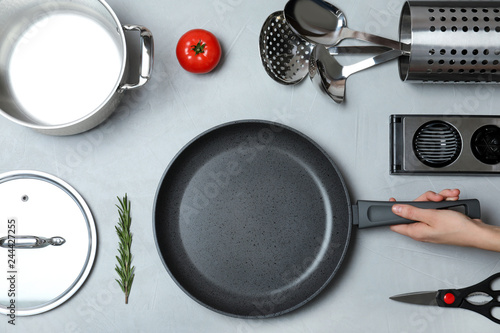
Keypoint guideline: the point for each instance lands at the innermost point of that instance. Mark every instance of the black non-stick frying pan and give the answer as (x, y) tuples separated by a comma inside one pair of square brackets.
[(252, 219)]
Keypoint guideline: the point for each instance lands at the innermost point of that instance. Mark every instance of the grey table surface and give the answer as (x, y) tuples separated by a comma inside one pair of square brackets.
[(130, 151)]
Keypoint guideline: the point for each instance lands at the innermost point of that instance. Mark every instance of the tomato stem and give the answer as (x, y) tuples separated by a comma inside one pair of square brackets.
[(198, 48)]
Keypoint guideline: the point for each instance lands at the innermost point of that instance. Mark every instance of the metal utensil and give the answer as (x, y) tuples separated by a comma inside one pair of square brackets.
[(322, 23), (285, 56), (460, 298), (330, 76), (451, 41), (64, 64), (47, 271)]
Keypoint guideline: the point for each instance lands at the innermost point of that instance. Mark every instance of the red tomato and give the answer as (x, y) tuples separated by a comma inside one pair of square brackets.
[(198, 51)]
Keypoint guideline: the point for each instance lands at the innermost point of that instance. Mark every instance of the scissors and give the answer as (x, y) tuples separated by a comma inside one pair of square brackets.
[(462, 298)]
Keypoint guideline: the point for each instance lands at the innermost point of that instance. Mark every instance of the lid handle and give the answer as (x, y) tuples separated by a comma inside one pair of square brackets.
[(30, 242)]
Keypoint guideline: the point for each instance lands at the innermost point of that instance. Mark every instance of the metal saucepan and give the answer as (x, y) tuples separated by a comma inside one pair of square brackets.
[(253, 219), (63, 63)]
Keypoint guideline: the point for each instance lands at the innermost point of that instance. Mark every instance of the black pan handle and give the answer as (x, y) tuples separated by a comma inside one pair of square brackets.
[(368, 214)]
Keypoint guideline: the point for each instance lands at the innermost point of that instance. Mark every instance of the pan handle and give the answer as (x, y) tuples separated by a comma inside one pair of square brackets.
[(368, 214)]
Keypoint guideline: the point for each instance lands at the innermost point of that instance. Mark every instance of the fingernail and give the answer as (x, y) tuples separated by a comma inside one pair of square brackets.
[(397, 209)]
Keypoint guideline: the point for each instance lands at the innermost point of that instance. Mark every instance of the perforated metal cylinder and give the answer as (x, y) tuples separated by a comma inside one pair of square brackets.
[(451, 41)]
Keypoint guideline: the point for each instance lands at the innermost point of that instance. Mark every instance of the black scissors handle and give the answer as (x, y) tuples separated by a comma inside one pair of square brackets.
[(457, 298)]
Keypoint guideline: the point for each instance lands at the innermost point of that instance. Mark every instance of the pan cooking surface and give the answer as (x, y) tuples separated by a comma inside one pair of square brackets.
[(252, 219)]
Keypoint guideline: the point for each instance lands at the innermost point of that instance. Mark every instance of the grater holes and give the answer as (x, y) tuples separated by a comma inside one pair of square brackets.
[(466, 64)]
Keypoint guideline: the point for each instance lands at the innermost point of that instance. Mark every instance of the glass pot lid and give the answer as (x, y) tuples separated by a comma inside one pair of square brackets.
[(47, 242)]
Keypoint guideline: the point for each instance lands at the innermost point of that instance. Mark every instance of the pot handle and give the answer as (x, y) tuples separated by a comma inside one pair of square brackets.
[(379, 213), (146, 56)]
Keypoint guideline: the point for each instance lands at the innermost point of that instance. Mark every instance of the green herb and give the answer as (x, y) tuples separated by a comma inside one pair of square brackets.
[(124, 268)]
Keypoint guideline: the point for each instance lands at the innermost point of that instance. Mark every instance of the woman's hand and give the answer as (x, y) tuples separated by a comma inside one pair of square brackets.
[(445, 226)]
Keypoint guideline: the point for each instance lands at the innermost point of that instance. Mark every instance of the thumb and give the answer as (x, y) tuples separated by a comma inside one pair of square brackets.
[(413, 213)]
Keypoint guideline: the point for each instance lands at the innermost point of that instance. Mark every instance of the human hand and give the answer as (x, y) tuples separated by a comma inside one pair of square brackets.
[(445, 226)]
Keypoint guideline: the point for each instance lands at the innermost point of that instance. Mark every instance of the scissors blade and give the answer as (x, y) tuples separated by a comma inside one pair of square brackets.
[(421, 298)]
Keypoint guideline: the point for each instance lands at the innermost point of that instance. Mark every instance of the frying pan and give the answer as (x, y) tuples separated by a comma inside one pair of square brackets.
[(253, 219)]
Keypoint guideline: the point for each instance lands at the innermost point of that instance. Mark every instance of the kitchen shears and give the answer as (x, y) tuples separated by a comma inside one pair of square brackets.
[(466, 298)]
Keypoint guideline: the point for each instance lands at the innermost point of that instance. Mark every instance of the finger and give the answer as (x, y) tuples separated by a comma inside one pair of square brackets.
[(392, 199), (413, 213), (450, 195), (430, 196)]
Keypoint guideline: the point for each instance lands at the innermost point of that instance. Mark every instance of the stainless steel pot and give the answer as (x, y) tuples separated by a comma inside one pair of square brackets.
[(64, 63)]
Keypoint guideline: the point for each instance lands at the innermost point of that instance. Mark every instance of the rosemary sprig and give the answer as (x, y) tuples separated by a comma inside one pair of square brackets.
[(124, 268)]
